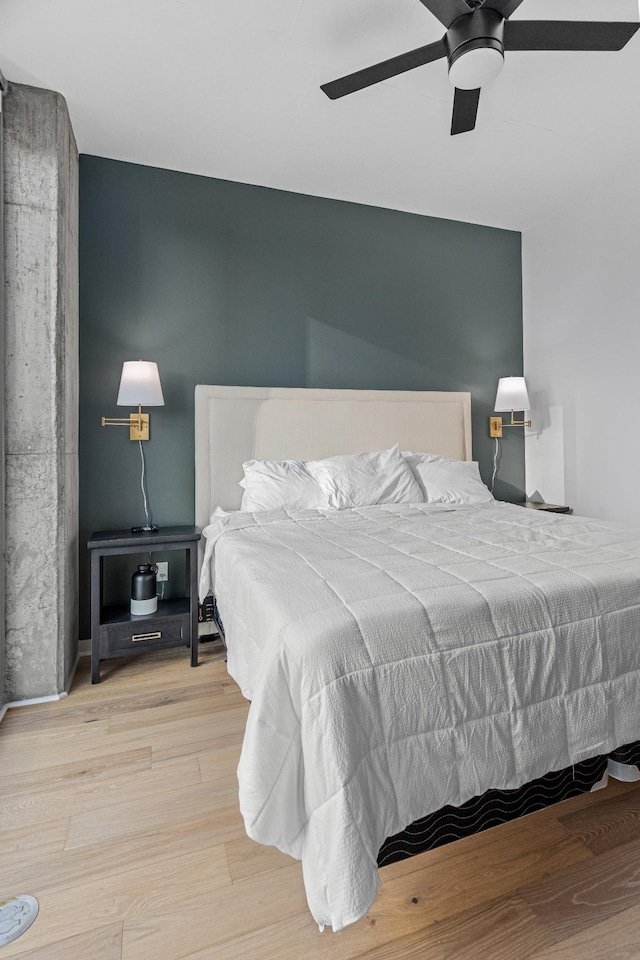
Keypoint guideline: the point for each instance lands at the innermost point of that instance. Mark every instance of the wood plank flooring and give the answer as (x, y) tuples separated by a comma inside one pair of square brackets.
[(118, 811)]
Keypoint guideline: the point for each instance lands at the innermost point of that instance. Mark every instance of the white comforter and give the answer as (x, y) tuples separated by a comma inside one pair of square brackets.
[(400, 658)]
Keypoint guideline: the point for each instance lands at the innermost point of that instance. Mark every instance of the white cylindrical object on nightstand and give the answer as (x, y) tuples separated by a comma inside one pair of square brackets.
[(140, 608), (144, 596)]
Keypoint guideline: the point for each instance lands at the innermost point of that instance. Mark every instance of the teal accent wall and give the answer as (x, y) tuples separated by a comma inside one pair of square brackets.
[(222, 282)]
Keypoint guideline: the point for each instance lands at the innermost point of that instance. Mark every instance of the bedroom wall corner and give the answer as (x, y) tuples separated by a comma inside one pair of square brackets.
[(41, 393), (581, 344)]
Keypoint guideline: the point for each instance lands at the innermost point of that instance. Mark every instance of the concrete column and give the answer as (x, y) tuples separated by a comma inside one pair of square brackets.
[(41, 393)]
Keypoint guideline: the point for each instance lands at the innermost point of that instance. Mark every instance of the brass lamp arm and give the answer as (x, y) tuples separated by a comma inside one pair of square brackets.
[(138, 424), (117, 422), (517, 423), (496, 425)]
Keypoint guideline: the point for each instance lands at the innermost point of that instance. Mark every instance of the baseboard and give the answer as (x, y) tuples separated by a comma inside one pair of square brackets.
[(34, 700), (31, 702)]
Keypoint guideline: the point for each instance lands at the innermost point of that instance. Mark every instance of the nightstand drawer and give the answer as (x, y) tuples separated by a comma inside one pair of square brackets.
[(148, 634)]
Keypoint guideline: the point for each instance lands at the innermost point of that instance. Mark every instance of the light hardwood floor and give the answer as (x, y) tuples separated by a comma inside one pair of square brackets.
[(118, 811)]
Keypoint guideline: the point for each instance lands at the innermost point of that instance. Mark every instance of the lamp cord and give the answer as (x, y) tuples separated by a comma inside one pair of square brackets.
[(495, 464), (142, 485)]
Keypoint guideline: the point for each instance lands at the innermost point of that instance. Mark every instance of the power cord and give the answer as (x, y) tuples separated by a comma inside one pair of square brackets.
[(150, 525), (495, 463)]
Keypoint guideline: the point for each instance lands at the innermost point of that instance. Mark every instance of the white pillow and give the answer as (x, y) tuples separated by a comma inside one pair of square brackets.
[(413, 459), (276, 484), (453, 481), (356, 480)]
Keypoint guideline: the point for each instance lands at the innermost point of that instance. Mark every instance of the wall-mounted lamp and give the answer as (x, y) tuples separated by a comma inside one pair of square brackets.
[(139, 386), (512, 395)]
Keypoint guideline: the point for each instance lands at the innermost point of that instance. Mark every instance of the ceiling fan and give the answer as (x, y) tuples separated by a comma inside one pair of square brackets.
[(478, 33)]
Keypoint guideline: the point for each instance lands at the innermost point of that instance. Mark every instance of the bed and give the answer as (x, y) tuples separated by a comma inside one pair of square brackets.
[(405, 659)]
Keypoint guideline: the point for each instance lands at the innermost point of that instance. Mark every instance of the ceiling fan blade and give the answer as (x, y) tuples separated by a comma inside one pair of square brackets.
[(505, 7), (465, 109), (566, 35), (447, 11), (385, 70)]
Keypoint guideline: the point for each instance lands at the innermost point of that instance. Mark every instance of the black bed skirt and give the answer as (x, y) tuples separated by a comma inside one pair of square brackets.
[(217, 619), (491, 809)]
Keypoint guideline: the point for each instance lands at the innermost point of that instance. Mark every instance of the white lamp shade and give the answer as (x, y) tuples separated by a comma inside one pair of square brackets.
[(140, 385), (476, 68), (512, 394)]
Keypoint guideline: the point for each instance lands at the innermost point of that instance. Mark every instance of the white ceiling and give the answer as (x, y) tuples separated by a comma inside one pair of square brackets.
[(230, 89)]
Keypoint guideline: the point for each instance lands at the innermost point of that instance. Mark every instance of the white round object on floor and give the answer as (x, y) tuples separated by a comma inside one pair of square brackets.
[(627, 772), (16, 915)]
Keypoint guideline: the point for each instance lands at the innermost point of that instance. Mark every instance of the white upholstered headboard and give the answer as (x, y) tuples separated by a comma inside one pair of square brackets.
[(234, 424)]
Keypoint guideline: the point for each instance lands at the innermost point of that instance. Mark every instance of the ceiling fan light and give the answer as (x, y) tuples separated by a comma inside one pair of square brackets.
[(475, 67)]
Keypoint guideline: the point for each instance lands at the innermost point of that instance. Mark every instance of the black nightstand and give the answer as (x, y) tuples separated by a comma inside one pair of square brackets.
[(548, 507), (114, 631)]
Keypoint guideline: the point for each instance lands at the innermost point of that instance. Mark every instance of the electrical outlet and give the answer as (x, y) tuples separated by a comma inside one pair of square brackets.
[(163, 571)]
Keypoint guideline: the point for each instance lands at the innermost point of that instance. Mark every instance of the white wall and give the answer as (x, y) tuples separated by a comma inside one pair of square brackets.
[(581, 293)]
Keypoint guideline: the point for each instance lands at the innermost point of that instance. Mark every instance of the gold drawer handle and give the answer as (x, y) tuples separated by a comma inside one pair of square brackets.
[(146, 636)]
